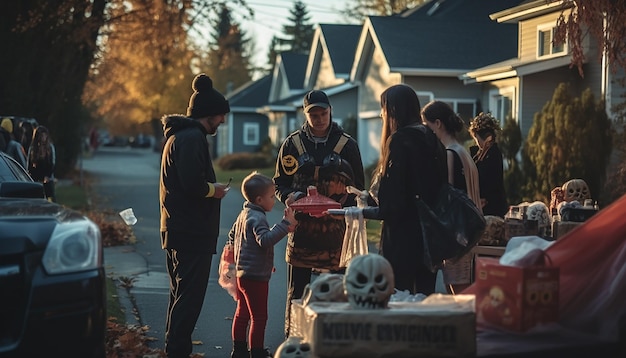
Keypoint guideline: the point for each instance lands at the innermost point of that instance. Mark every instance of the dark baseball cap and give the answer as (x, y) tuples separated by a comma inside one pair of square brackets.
[(315, 99)]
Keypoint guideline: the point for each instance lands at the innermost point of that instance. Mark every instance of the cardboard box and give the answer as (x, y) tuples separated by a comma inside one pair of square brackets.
[(560, 228), (515, 298), (519, 227), (439, 326)]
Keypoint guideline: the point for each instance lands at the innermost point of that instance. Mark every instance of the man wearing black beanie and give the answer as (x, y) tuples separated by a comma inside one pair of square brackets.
[(190, 202)]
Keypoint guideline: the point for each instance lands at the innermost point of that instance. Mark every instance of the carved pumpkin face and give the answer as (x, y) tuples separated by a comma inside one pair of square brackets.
[(576, 189), (369, 282), (328, 287), (293, 347)]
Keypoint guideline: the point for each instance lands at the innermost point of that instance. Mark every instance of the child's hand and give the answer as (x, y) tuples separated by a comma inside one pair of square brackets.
[(289, 215)]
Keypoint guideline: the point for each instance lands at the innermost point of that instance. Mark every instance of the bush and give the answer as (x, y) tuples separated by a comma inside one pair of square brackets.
[(245, 160)]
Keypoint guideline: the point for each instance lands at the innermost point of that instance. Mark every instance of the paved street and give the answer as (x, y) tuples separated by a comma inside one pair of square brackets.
[(128, 178)]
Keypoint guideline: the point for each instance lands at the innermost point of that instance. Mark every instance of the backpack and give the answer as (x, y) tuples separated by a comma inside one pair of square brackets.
[(451, 228)]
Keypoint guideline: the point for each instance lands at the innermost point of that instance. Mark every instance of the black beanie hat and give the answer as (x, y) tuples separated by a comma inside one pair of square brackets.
[(205, 100)]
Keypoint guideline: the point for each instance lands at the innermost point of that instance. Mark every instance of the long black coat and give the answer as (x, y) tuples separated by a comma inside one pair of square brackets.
[(416, 166)]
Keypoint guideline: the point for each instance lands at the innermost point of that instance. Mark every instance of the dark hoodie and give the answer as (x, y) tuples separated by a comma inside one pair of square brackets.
[(189, 220)]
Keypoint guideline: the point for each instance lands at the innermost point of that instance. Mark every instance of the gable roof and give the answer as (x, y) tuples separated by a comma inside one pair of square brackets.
[(456, 37), (294, 66), (251, 95), (341, 41)]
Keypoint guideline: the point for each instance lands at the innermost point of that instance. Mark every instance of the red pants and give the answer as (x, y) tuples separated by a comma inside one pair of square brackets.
[(251, 307)]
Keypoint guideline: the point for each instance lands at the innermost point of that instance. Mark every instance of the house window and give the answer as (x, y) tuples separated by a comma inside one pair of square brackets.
[(545, 45), (424, 97), (251, 134), (501, 103), (465, 108)]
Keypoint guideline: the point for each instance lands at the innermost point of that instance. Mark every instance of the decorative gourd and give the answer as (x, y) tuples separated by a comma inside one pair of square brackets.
[(369, 282), (328, 287)]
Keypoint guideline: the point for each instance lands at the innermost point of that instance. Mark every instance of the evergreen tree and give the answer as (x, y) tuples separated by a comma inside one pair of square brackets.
[(300, 31), (228, 59), (570, 138), (273, 51), (510, 143)]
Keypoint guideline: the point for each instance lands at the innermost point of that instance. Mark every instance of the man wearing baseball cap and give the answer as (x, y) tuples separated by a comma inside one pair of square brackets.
[(320, 154)]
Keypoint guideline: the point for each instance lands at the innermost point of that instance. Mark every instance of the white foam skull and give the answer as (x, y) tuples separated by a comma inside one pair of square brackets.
[(539, 211), (369, 282), (328, 287), (293, 347), (576, 189)]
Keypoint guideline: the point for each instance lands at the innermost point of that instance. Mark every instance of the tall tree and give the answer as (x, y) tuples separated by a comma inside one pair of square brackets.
[(48, 48), (298, 34), (570, 138), (299, 30), (145, 69), (228, 60), (360, 9)]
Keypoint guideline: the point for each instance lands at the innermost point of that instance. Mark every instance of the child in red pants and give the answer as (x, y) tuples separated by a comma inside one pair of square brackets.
[(254, 244)]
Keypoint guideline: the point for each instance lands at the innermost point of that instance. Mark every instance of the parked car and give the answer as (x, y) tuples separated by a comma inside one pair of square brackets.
[(52, 279)]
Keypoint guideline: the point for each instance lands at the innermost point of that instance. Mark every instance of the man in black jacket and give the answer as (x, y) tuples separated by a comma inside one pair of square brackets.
[(318, 154), (190, 202)]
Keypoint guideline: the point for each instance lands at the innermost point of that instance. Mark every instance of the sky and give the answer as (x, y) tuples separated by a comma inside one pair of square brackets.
[(271, 15)]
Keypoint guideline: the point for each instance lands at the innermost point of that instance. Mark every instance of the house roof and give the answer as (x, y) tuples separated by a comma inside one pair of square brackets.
[(294, 66), (529, 9), (341, 41), (252, 94), (513, 68), (457, 36)]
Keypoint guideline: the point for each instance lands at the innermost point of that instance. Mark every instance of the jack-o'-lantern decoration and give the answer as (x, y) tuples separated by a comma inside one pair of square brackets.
[(369, 282), (293, 347), (576, 189), (328, 287)]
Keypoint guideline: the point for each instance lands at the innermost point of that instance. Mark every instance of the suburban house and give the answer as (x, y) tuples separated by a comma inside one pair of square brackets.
[(245, 128), (476, 55), (520, 86), (428, 48)]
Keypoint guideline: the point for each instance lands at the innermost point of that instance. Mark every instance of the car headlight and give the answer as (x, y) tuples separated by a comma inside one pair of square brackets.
[(74, 246)]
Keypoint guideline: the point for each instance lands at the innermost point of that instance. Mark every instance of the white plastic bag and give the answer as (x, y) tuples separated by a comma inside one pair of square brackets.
[(355, 238)]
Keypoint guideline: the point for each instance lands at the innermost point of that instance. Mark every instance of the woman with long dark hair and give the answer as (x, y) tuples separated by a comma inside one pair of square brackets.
[(412, 162), (42, 160)]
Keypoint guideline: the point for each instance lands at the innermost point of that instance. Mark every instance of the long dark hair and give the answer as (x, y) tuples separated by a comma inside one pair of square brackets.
[(40, 145), (442, 111), (402, 108)]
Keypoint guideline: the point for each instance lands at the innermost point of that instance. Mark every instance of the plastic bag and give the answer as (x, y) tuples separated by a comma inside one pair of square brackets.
[(451, 228), (227, 271), (355, 238)]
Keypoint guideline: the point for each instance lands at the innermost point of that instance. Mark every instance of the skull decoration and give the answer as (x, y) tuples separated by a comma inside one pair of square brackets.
[(576, 189), (539, 211), (293, 347), (328, 287), (369, 282)]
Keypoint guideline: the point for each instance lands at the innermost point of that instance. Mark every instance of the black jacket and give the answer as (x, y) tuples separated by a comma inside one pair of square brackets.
[(317, 242), (416, 166), (189, 220)]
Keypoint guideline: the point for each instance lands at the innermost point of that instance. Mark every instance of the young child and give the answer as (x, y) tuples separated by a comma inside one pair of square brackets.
[(254, 244)]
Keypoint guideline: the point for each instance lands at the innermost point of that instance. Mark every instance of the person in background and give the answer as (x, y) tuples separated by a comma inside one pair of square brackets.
[(9, 145), (254, 242), (462, 174), (190, 200), (412, 162), (26, 134), (488, 158), (318, 154), (41, 160)]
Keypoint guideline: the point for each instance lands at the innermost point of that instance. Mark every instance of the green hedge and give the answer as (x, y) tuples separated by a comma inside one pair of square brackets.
[(245, 160)]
